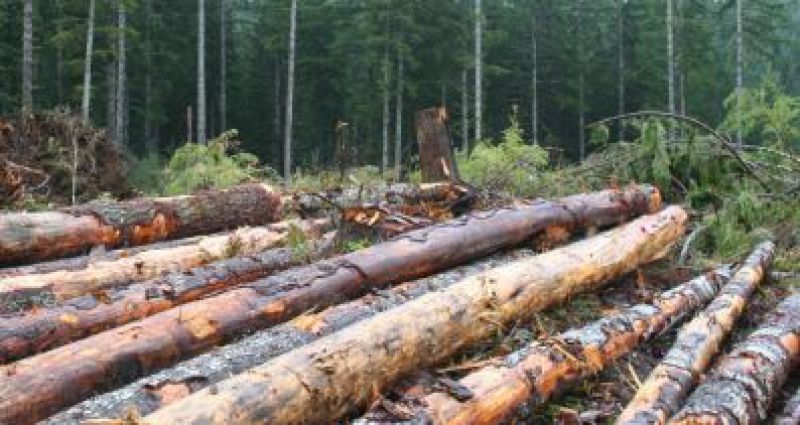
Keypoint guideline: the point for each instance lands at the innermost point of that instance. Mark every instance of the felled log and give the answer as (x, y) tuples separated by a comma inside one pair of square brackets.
[(532, 375), (325, 380), (436, 161), (33, 237), (40, 385), (22, 335), (20, 293), (697, 342), (790, 415), (740, 388)]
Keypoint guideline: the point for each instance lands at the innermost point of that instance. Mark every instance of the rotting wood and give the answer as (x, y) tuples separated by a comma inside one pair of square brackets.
[(697, 342), (38, 386), (790, 415), (436, 160), (741, 386), (25, 292), (33, 237), (42, 329), (530, 376), (322, 381)]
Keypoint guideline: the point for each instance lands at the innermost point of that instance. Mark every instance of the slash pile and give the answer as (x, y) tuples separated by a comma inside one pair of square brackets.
[(277, 324)]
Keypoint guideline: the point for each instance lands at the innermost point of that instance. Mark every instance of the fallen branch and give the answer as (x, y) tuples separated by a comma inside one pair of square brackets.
[(42, 329), (743, 383), (24, 292), (532, 375), (322, 381), (38, 386), (698, 341), (33, 237)]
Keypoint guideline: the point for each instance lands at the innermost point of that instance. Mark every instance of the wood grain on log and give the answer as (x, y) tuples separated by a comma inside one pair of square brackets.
[(740, 388), (532, 375), (37, 386), (42, 329), (324, 380), (33, 237), (24, 292), (697, 342)]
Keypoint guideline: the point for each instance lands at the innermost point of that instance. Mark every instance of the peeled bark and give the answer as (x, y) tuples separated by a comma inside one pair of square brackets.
[(697, 343), (324, 380), (38, 386), (34, 237), (43, 329), (532, 375), (436, 160), (743, 384), (791, 411), (24, 292)]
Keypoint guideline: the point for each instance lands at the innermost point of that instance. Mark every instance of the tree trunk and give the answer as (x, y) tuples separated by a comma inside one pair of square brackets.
[(478, 72), (277, 104), (150, 144), (201, 72), (537, 372), (287, 143), (36, 387), (119, 121), (72, 230), (621, 65), (398, 122), (581, 88), (189, 119), (111, 99), (385, 128), (739, 68), (26, 292), (534, 85), (464, 113), (436, 160), (342, 372), (59, 53), (87, 64), (22, 335), (671, 65), (27, 58), (697, 343), (223, 65), (743, 383)]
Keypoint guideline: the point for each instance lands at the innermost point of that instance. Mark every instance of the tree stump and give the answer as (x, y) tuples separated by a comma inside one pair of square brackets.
[(435, 153)]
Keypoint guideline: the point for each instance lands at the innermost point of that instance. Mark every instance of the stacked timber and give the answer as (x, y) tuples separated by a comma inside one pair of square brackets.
[(323, 381), (35, 387), (33, 237)]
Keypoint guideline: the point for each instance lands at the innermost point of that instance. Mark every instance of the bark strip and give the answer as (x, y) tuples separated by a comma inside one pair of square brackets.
[(22, 335), (34, 237), (38, 386), (532, 375), (696, 344), (324, 380), (743, 383), (24, 292)]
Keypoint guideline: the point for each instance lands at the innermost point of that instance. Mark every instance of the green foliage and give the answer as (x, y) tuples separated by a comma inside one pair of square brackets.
[(351, 245), (214, 165), (298, 241), (147, 174), (510, 165), (766, 114)]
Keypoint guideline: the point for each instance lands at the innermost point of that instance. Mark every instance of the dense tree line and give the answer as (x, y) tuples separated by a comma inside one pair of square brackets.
[(160, 72)]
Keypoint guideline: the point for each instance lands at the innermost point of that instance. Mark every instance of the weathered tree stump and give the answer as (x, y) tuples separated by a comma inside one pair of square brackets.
[(436, 160)]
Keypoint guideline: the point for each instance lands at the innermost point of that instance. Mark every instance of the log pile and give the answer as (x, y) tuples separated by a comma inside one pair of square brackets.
[(307, 339)]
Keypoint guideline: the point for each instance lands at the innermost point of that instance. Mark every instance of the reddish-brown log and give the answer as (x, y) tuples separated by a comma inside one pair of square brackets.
[(532, 375), (322, 381), (740, 388), (22, 335), (24, 292), (698, 341), (40, 385), (436, 161), (33, 237)]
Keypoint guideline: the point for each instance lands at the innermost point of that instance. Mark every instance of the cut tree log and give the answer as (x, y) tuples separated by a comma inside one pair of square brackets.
[(790, 415), (25, 292), (743, 383), (436, 161), (38, 386), (530, 376), (324, 380), (33, 237), (697, 342), (42, 329)]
